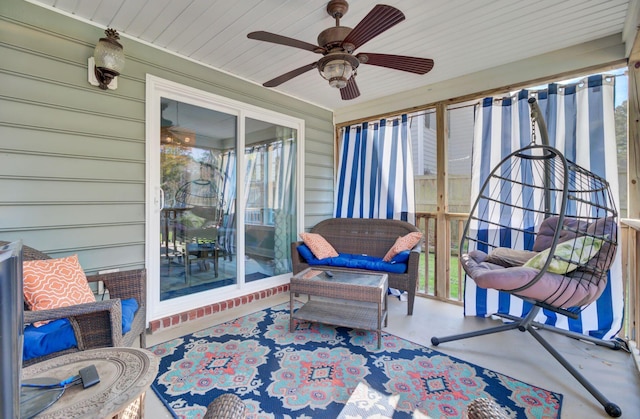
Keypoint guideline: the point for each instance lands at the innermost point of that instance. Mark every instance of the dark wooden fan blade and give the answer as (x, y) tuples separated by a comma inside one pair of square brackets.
[(283, 40), (350, 91), (288, 76), (397, 62), (379, 19)]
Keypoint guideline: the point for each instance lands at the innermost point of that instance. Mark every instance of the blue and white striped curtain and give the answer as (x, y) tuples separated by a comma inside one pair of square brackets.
[(375, 174), (580, 123)]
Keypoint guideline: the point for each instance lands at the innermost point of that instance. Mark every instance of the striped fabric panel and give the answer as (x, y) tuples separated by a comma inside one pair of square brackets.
[(375, 172), (580, 123)]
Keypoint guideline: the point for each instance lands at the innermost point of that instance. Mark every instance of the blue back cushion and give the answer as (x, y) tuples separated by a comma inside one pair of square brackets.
[(345, 260), (306, 253), (58, 335), (402, 257)]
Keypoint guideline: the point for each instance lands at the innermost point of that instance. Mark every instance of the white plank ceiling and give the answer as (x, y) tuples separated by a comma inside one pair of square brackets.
[(461, 36)]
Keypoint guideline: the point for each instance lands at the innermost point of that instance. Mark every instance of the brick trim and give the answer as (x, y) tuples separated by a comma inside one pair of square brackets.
[(196, 313)]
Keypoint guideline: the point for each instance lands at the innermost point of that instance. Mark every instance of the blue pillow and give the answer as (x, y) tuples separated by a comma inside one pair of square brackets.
[(401, 257), (306, 253), (57, 335)]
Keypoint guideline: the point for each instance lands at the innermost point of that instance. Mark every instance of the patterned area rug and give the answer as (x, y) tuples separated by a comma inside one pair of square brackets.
[(322, 371)]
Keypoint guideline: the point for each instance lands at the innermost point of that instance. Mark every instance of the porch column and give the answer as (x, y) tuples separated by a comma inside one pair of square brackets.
[(443, 249), (633, 117)]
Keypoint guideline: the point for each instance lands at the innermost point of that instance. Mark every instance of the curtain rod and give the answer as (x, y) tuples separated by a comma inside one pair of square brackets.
[(584, 72), (468, 105)]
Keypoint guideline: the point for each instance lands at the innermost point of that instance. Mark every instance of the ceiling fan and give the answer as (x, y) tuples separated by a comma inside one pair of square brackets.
[(338, 64)]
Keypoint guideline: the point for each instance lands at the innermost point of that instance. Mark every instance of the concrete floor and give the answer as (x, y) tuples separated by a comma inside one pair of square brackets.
[(513, 353)]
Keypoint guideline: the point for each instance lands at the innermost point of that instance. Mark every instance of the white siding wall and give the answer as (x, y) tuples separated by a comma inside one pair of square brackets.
[(460, 141), (423, 141)]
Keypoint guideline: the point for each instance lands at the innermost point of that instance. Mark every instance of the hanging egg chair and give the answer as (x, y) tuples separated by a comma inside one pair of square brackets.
[(545, 230), (202, 196)]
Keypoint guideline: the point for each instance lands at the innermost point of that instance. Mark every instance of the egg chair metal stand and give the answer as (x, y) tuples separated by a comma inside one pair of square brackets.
[(545, 230)]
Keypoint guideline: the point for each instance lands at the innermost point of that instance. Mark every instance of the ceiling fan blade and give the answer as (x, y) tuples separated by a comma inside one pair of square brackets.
[(350, 91), (288, 76), (379, 19), (284, 40), (397, 62)]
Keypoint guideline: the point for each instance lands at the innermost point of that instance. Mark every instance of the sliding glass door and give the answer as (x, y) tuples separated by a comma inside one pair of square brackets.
[(223, 198), (195, 143), (270, 198)]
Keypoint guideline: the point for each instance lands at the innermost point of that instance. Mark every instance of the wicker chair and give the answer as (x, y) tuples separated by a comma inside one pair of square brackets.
[(99, 324), (226, 406), (484, 408)]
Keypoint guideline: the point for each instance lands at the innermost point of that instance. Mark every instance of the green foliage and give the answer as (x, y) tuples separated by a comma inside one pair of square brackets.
[(173, 162), (453, 273)]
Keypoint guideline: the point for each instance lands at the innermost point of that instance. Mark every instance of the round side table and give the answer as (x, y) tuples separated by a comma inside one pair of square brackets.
[(125, 375)]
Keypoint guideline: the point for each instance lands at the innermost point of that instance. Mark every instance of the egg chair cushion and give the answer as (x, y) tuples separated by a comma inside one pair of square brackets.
[(581, 286), (557, 290)]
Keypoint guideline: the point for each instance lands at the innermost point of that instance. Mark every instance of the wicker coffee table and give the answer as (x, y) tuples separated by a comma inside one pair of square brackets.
[(354, 299)]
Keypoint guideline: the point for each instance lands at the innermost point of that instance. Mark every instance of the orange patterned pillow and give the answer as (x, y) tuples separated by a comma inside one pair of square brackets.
[(54, 283), (403, 243), (318, 245)]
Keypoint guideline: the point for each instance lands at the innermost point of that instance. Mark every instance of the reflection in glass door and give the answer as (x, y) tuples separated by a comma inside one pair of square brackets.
[(197, 180), (269, 198)]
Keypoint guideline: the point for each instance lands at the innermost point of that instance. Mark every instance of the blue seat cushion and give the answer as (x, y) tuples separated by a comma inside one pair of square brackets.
[(58, 335), (346, 260), (129, 309), (54, 336)]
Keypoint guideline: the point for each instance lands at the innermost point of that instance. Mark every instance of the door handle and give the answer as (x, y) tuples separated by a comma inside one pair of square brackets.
[(161, 199)]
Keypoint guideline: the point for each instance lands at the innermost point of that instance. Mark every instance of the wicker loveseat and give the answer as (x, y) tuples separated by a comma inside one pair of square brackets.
[(373, 237), (99, 324)]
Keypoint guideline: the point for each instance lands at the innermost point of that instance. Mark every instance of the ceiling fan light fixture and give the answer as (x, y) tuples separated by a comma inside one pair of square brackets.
[(338, 82), (337, 72), (177, 136), (171, 134), (337, 69)]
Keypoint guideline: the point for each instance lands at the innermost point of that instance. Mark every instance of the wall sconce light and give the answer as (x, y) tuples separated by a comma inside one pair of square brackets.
[(107, 61)]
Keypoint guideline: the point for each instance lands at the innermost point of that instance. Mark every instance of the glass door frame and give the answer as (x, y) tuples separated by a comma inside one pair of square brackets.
[(157, 88)]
